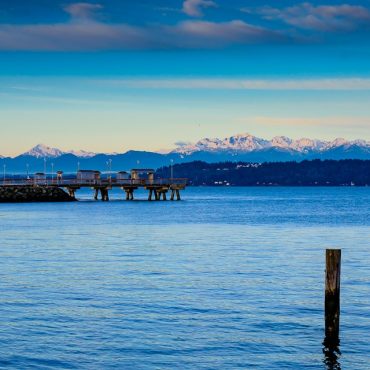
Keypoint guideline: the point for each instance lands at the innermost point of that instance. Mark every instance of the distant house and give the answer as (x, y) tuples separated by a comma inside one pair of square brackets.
[(122, 175), (88, 176), (142, 174)]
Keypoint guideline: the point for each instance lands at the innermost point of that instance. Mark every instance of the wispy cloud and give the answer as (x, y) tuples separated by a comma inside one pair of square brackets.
[(194, 7), (330, 18), (82, 10), (244, 84), (87, 34), (203, 34), (72, 37)]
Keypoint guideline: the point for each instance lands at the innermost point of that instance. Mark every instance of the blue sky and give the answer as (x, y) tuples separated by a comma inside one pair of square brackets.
[(113, 75)]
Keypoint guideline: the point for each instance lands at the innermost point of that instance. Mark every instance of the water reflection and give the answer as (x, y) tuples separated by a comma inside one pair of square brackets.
[(332, 353)]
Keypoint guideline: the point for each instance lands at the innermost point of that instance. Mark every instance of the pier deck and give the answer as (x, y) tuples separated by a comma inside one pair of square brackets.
[(157, 188)]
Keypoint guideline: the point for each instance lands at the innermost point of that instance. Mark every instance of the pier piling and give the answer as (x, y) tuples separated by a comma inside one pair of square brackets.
[(129, 193), (332, 296), (104, 194)]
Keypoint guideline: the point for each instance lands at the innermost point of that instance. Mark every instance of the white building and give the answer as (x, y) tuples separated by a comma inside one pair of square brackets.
[(88, 176), (143, 174)]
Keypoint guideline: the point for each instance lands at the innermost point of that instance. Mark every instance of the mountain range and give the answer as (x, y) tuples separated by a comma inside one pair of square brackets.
[(242, 147)]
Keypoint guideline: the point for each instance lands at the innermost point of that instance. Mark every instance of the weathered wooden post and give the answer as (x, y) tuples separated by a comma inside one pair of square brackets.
[(332, 296), (104, 194)]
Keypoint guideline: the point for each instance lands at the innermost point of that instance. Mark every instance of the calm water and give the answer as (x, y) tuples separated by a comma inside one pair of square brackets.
[(228, 278)]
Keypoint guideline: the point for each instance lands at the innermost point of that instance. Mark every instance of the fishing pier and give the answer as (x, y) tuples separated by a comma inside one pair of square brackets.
[(158, 188)]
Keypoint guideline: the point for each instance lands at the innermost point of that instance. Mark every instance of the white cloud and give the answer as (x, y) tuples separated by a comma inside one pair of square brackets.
[(196, 33), (73, 36), (82, 10), (244, 84), (194, 7), (87, 34), (320, 18)]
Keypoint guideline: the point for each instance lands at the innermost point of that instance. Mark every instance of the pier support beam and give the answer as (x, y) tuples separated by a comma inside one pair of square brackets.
[(178, 194), (162, 193), (104, 194), (172, 194), (150, 194), (71, 192), (129, 193), (96, 194)]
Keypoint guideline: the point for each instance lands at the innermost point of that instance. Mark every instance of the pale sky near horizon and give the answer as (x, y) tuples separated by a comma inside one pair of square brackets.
[(109, 76)]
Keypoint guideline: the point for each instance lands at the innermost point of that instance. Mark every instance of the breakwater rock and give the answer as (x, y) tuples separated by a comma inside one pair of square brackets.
[(17, 194)]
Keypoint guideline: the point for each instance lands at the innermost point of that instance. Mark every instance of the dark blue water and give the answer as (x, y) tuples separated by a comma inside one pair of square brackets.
[(228, 278)]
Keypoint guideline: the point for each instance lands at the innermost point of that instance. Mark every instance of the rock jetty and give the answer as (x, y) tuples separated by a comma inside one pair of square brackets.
[(18, 194)]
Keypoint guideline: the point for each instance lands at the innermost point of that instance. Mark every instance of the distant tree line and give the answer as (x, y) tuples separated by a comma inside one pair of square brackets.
[(305, 173)]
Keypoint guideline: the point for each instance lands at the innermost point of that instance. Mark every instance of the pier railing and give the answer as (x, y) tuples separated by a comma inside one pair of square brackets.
[(94, 183)]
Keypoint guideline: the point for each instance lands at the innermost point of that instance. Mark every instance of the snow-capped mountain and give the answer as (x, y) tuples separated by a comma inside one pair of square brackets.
[(243, 148), (82, 153), (244, 143), (240, 142), (44, 151)]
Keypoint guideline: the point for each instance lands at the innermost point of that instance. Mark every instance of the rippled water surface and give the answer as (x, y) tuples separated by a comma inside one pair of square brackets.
[(228, 278)]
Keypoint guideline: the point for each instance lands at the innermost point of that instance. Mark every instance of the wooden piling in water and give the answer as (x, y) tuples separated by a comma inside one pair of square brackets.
[(104, 194), (332, 295)]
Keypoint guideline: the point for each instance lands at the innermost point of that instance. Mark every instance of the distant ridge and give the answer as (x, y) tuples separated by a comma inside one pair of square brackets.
[(241, 147), (305, 173)]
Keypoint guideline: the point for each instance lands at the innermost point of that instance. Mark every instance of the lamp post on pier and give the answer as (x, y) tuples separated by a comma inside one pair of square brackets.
[(4, 172), (46, 181), (171, 170), (52, 172), (28, 171), (110, 169)]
